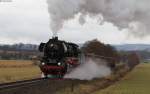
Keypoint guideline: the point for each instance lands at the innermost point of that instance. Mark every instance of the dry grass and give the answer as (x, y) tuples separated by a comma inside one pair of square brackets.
[(14, 70), (15, 63), (136, 82)]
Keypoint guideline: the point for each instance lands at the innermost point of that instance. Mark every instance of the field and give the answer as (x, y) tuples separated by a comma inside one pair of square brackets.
[(136, 82), (16, 70)]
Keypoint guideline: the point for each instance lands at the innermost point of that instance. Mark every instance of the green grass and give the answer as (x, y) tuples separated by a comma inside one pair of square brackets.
[(136, 82)]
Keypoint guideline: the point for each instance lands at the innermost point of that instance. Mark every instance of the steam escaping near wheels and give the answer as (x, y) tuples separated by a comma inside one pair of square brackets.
[(89, 70), (42, 75)]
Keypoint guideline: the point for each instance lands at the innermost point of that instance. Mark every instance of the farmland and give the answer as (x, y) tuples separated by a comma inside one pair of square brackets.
[(136, 82), (16, 70)]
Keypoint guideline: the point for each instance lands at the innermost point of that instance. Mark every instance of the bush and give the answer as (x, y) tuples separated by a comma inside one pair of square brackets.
[(106, 52), (133, 60)]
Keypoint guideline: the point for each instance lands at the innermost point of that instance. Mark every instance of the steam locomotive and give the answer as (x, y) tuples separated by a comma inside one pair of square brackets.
[(59, 57)]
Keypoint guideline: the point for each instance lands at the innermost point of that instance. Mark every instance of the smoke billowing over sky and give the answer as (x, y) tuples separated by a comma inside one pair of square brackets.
[(132, 15), (28, 21)]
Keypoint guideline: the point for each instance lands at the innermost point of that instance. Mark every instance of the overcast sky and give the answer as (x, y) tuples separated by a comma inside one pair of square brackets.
[(27, 21)]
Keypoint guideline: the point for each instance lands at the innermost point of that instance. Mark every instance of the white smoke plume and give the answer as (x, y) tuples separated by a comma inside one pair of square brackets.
[(89, 70), (125, 14)]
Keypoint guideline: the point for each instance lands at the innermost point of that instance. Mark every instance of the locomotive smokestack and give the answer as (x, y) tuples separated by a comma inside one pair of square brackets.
[(55, 38)]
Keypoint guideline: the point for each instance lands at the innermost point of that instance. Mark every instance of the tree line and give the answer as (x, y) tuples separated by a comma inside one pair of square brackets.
[(110, 54)]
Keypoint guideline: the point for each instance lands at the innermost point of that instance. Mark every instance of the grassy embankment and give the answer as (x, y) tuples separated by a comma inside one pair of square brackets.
[(88, 87), (16, 70), (136, 82)]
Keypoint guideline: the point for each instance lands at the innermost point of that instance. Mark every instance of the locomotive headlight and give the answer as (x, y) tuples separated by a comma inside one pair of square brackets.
[(59, 63), (43, 63)]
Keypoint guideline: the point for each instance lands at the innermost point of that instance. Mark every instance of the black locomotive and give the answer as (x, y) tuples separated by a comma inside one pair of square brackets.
[(58, 57)]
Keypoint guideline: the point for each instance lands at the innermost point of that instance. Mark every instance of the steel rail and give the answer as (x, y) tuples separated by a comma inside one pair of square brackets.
[(19, 83)]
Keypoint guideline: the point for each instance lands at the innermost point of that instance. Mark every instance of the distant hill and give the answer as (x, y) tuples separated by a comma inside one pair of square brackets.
[(124, 47), (142, 49), (19, 47), (33, 47), (133, 47), (25, 51)]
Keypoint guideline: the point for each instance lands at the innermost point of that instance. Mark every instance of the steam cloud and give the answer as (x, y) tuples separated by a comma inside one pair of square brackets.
[(89, 70), (133, 15)]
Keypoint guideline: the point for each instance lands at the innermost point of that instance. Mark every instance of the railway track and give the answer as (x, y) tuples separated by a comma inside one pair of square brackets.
[(37, 86), (19, 83)]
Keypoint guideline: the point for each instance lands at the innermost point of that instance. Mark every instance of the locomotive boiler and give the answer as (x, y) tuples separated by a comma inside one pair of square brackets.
[(59, 57)]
